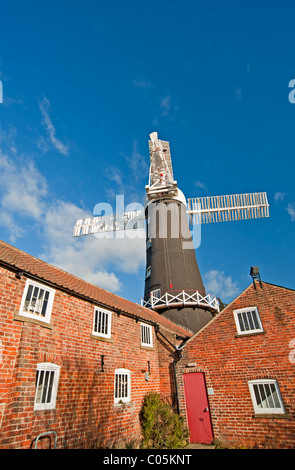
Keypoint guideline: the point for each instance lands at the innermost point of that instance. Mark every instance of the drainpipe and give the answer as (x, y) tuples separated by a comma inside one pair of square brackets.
[(177, 357)]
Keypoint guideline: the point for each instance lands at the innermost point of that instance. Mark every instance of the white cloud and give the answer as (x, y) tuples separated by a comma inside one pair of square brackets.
[(168, 108), (166, 105), (291, 210), (131, 183), (23, 188), (199, 184), (142, 83), (137, 163), (279, 196), (238, 94), (28, 207), (88, 257), (220, 285), (44, 106)]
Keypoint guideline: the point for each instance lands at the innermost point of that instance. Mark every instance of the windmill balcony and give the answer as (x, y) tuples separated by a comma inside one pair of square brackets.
[(181, 299)]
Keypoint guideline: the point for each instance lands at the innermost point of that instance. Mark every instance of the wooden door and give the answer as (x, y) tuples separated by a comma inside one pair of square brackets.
[(197, 406)]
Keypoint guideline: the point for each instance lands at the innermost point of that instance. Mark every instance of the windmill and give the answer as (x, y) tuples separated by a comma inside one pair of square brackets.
[(173, 283)]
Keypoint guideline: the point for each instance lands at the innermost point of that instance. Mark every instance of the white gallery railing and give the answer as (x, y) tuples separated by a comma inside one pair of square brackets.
[(183, 298)]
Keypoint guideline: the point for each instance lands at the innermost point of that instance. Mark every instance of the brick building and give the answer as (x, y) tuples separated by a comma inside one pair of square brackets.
[(78, 360), (74, 358), (236, 377)]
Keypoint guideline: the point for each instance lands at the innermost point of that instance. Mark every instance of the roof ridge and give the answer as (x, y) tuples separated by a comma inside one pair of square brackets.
[(51, 265)]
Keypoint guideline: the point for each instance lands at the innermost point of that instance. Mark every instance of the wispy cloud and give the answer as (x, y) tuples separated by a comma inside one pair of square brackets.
[(138, 163), (142, 83), (291, 210), (279, 196), (130, 182), (166, 105), (23, 188), (44, 106), (238, 93), (219, 284), (200, 185)]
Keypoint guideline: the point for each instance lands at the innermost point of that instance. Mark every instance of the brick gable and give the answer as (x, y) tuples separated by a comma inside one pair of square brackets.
[(229, 361)]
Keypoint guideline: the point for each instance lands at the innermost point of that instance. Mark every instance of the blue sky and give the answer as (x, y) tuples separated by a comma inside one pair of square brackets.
[(85, 83)]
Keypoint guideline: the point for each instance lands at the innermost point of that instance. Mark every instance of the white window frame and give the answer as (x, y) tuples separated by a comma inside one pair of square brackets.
[(148, 272), (46, 373), (122, 386), (155, 294), (271, 404), (36, 310), (248, 316), (146, 332), (102, 327)]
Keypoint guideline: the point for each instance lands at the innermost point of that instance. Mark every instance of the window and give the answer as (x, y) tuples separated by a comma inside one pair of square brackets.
[(102, 322), (122, 386), (46, 386), (37, 301), (148, 271), (146, 335), (148, 243), (247, 320), (266, 396), (155, 294)]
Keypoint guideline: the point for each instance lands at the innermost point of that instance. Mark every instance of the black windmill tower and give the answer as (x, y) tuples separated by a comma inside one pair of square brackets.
[(173, 283)]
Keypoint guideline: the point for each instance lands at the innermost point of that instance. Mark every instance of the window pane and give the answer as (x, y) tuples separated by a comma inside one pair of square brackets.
[(125, 387), (257, 396), (39, 301), (270, 402), (263, 403), (256, 322), (50, 385), (34, 299), (249, 316), (120, 386), (28, 298), (246, 323), (99, 322), (275, 396), (45, 302), (116, 386), (241, 323), (40, 375), (95, 320), (45, 386)]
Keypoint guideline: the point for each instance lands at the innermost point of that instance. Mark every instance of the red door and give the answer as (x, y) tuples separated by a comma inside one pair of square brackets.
[(197, 408)]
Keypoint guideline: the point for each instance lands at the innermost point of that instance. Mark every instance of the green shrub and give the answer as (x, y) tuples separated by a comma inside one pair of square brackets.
[(161, 427)]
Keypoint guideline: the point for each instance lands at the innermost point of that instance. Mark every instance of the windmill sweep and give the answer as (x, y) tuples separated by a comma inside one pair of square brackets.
[(173, 283)]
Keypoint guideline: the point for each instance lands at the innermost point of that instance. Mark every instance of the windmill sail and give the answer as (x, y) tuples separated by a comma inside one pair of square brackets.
[(110, 223), (202, 210)]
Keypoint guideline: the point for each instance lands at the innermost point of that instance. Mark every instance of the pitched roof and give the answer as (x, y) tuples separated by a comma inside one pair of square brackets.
[(18, 260)]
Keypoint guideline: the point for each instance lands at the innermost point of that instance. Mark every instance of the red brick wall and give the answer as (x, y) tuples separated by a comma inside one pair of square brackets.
[(229, 362), (85, 413)]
